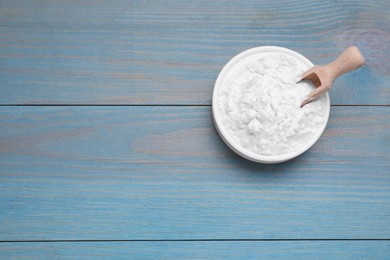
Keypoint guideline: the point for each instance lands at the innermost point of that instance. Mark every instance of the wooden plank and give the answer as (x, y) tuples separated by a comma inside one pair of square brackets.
[(199, 250), (163, 173), (154, 52)]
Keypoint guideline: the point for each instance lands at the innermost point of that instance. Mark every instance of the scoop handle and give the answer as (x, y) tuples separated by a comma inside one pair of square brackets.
[(350, 59)]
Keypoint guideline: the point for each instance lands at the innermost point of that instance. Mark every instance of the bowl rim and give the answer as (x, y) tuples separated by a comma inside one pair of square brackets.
[(223, 133)]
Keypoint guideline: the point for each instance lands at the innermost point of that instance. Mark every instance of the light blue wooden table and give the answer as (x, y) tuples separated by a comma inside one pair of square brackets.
[(108, 150)]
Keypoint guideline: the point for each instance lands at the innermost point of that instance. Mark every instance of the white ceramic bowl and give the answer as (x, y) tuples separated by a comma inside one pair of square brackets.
[(223, 132)]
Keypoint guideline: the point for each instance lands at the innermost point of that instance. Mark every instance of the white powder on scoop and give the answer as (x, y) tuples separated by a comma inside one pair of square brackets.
[(259, 102)]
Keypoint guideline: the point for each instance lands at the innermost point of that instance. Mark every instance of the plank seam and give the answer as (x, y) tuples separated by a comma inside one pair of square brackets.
[(147, 105), (195, 240)]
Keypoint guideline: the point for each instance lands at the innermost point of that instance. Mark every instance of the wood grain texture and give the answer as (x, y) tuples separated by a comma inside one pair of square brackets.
[(199, 250), (159, 52), (163, 173)]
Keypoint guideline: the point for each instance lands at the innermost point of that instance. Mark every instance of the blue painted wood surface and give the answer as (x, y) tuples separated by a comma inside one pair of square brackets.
[(147, 173), (158, 52), (199, 250), (163, 173)]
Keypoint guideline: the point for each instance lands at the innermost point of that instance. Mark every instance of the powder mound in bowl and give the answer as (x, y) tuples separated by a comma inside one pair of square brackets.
[(259, 101)]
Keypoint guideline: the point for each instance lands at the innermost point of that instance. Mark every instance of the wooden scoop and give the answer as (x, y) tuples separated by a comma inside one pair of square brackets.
[(323, 76)]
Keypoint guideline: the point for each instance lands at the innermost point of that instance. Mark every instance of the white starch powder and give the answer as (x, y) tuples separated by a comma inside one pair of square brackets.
[(259, 102)]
